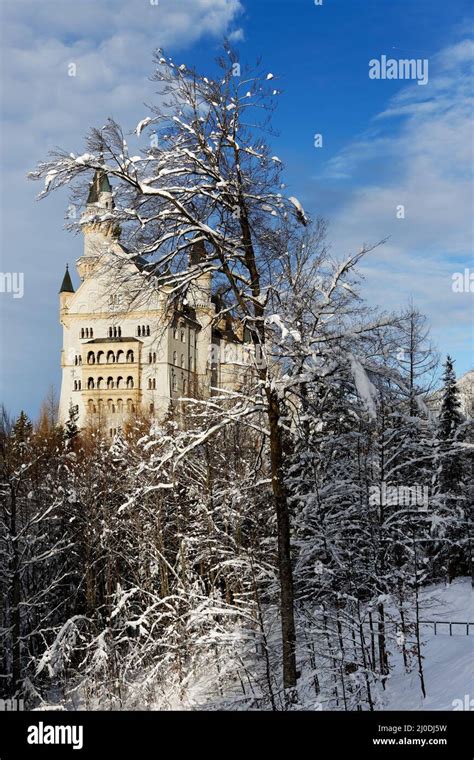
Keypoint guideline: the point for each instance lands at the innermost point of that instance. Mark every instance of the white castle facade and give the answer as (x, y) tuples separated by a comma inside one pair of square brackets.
[(123, 353)]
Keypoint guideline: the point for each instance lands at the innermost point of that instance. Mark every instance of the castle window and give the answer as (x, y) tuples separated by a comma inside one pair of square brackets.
[(90, 383), (154, 358), (110, 382), (119, 404), (182, 361), (90, 358), (139, 331), (79, 384), (130, 357), (129, 382), (175, 333), (110, 332), (152, 408), (183, 336), (91, 333), (148, 330), (82, 333), (119, 382), (100, 380), (75, 385), (75, 360), (191, 363), (110, 357), (120, 356), (184, 386), (100, 357), (174, 382), (150, 358), (175, 357)]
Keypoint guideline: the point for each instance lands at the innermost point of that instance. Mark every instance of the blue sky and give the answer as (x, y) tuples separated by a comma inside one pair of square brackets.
[(385, 142)]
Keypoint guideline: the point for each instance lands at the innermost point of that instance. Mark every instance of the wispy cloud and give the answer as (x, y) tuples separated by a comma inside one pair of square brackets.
[(417, 155)]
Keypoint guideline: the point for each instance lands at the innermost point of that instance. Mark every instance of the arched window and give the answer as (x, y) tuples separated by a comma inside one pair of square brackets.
[(175, 333), (154, 358), (110, 357), (130, 357), (174, 382), (100, 380), (110, 332), (90, 358), (75, 385), (129, 382), (79, 384), (82, 333), (90, 383), (191, 363), (120, 356), (75, 360), (154, 384), (150, 358), (184, 386), (129, 405), (100, 357), (183, 336), (148, 330), (90, 405), (139, 331), (110, 382), (175, 357), (149, 384), (119, 404), (91, 333), (152, 408), (182, 361), (119, 382), (119, 332)]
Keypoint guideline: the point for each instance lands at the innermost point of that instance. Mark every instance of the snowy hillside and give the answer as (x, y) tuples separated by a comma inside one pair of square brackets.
[(448, 660)]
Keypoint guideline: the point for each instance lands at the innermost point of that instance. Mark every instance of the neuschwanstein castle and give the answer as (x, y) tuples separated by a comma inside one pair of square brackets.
[(123, 353)]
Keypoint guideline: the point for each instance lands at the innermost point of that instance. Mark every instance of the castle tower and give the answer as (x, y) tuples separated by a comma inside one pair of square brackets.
[(96, 227)]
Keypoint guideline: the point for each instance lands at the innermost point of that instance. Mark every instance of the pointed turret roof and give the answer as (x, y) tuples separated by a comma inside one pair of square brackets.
[(67, 286), (100, 184)]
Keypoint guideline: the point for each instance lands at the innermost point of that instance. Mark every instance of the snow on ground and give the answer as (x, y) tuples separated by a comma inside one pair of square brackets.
[(448, 660)]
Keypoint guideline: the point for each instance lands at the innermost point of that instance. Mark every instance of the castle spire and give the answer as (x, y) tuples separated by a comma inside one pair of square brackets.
[(67, 286), (100, 184)]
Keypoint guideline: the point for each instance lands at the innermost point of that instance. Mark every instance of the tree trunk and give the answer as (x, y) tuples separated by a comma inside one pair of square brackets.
[(284, 552)]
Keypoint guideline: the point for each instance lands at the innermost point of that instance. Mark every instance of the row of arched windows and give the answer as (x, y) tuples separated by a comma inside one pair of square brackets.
[(117, 406), (152, 358), (143, 331), (111, 358), (87, 332), (152, 384), (77, 360), (115, 332), (182, 361), (77, 385), (110, 383)]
